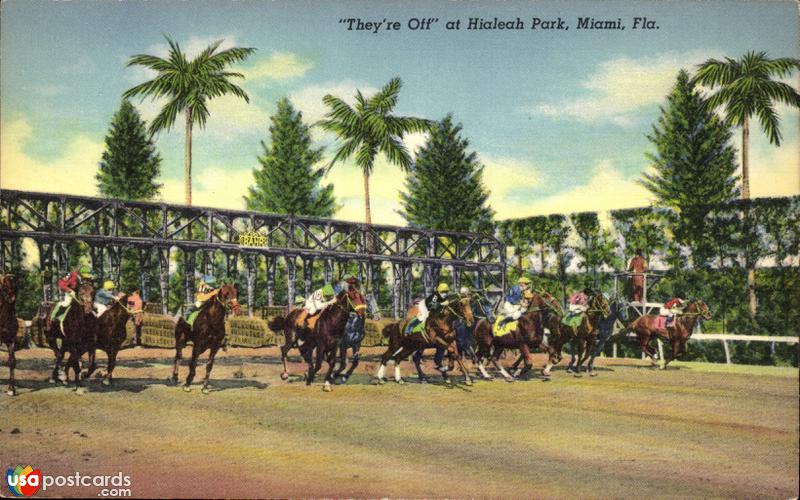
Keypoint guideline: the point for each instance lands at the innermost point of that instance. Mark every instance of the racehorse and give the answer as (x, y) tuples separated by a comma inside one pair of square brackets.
[(618, 311), (327, 333), (207, 333), (111, 331), (438, 331), (528, 335), (9, 324), (352, 338), (78, 336), (646, 329), (582, 337), (455, 349)]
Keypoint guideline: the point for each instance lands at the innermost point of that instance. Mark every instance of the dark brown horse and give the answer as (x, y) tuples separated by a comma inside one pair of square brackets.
[(327, 334), (111, 331), (646, 329), (206, 334), (582, 337), (78, 336), (9, 324), (438, 331), (527, 336)]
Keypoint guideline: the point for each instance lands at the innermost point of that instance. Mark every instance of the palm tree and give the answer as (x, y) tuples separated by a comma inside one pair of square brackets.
[(370, 129), (188, 85), (746, 88)]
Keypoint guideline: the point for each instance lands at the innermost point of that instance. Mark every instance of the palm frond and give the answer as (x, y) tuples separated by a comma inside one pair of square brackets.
[(365, 157), (229, 56), (166, 117), (399, 125), (769, 119), (386, 98), (344, 151), (396, 152)]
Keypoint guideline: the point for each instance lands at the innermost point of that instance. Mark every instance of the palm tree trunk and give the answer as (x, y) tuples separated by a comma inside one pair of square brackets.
[(751, 272), (745, 160), (368, 213), (187, 160)]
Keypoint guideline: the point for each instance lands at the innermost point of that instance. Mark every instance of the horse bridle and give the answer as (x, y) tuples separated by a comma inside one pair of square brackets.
[(126, 308)]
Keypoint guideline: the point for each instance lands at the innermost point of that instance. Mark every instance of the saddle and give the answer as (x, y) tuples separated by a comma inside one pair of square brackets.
[(573, 320), (664, 323), (300, 322), (500, 330)]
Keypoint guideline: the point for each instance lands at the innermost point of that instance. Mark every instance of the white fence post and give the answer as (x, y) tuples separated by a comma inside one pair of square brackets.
[(727, 352)]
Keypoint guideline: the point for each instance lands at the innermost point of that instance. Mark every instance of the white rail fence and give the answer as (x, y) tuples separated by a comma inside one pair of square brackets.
[(725, 338)]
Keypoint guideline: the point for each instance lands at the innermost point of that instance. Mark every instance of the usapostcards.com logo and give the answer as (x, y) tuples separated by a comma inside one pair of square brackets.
[(23, 481), (26, 481)]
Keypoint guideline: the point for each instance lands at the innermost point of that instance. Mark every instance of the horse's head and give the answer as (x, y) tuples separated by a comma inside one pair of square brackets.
[(545, 300), (228, 294), (351, 300), (699, 308), (599, 303), (135, 306), (458, 307), (86, 296), (466, 307), (8, 288), (620, 307)]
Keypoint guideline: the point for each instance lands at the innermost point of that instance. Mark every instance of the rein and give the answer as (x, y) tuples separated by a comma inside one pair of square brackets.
[(126, 308)]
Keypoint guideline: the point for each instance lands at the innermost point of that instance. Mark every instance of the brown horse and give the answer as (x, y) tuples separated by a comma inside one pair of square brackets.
[(645, 329), (293, 334), (111, 331), (9, 324), (328, 332), (207, 333), (438, 331), (582, 337), (78, 336), (527, 336)]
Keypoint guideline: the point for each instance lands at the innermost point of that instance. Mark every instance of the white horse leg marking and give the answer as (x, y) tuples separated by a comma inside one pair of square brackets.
[(381, 371), (483, 370), (397, 376), (504, 372)]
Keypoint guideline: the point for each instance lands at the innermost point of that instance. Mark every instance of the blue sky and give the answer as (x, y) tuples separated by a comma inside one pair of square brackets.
[(558, 117)]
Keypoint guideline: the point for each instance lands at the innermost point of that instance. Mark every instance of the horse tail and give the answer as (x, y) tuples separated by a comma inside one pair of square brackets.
[(277, 323)]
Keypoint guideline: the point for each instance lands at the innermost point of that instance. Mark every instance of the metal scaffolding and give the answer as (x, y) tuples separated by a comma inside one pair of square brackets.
[(257, 240)]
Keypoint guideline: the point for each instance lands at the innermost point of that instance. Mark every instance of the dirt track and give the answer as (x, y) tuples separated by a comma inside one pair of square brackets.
[(693, 431)]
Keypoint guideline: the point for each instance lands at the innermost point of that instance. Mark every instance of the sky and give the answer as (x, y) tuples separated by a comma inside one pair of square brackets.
[(558, 118)]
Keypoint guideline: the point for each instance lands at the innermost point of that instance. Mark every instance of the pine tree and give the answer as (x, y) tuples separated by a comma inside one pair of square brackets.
[(130, 163), (288, 182), (445, 189), (694, 164)]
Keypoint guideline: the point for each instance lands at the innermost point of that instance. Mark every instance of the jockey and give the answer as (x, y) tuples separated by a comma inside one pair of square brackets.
[(68, 284), (579, 302), (671, 309), (432, 303), (322, 298), (206, 289), (512, 307), (103, 298)]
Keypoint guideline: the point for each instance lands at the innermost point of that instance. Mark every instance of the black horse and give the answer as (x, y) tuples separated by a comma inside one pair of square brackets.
[(618, 311), (353, 336)]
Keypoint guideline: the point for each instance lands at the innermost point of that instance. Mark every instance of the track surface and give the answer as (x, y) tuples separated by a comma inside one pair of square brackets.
[(695, 430)]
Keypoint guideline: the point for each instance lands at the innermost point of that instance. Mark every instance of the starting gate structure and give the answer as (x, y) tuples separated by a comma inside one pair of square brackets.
[(256, 240)]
